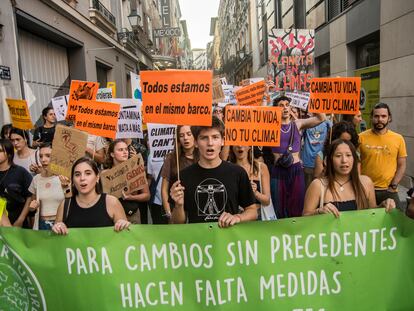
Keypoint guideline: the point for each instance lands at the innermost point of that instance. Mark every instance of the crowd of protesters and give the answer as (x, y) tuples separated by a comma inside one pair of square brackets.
[(322, 166)]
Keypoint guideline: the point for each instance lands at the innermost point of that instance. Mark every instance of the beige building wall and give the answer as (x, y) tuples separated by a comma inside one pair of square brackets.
[(397, 68)]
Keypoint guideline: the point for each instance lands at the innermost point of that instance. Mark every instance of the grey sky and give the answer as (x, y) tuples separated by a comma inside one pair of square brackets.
[(198, 14)]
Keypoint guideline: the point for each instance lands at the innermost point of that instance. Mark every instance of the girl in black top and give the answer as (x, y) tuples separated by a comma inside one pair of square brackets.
[(88, 207), (342, 188), (46, 132)]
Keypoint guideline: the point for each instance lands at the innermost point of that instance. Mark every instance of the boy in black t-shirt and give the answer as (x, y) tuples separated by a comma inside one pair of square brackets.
[(212, 189)]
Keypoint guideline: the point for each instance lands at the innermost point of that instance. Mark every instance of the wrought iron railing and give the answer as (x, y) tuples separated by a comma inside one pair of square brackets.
[(97, 5)]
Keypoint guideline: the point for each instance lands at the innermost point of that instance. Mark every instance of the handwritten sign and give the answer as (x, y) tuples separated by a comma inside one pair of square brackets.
[(129, 118), (19, 113), (182, 97), (251, 95), (128, 176), (298, 99), (161, 140), (80, 90), (218, 94), (335, 95), (60, 107), (252, 126), (69, 144), (291, 58)]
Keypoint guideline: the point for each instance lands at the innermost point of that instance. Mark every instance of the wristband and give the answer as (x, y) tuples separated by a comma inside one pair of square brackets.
[(239, 217)]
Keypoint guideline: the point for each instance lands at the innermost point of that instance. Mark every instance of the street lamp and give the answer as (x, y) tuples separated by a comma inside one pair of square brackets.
[(134, 18)]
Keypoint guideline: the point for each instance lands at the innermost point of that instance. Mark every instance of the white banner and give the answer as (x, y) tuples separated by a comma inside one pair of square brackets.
[(60, 106), (130, 118), (298, 99), (161, 140), (104, 93), (136, 86)]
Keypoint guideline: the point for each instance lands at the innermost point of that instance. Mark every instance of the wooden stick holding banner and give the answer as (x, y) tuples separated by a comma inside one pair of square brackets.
[(252, 164), (176, 155)]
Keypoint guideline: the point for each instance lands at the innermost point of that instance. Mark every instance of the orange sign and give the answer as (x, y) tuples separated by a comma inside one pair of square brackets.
[(182, 97), (251, 95), (80, 90), (335, 95), (97, 118), (19, 114), (252, 126)]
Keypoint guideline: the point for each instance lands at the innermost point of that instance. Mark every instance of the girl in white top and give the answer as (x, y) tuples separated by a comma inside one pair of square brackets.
[(48, 190), (24, 156)]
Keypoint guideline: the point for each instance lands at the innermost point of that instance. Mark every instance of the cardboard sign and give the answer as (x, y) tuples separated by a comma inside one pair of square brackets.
[(69, 144), (60, 107), (218, 94), (129, 118), (291, 58), (97, 118), (335, 95), (80, 90), (19, 114), (298, 99), (112, 85), (128, 176), (252, 126), (104, 93), (177, 97), (251, 95), (161, 140)]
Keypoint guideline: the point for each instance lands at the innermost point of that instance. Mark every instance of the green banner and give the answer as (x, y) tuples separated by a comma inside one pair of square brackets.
[(361, 261)]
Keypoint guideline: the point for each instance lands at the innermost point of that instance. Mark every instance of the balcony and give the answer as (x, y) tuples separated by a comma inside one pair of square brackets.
[(102, 17), (127, 39)]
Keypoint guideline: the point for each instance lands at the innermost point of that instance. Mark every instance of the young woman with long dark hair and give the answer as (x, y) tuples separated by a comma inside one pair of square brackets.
[(118, 152), (88, 207), (186, 154), (45, 132), (342, 188)]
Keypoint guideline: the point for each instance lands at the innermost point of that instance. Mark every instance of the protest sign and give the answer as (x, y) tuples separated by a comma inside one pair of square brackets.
[(251, 95), (104, 93), (129, 119), (80, 90), (223, 81), (97, 118), (335, 95), (128, 177), (60, 107), (291, 58), (177, 97), (218, 94), (112, 85), (252, 126), (69, 144), (229, 96), (19, 113), (136, 86), (298, 99), (360, 261), (161, 140)]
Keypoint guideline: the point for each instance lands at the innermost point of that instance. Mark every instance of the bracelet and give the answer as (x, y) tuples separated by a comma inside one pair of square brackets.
[(318, 211)]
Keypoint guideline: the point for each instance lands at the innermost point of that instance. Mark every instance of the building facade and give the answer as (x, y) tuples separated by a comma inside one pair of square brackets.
[(235, 39), (45, 44), (368, 38), (199, 59)]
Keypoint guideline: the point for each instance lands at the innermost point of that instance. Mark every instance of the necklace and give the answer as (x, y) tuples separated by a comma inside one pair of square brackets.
[(341, 186), (88, 204), (281, 129)]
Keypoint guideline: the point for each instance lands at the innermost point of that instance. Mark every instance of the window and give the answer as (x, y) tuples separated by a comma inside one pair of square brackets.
[(324, 65), (102, 71), (368, 51)]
